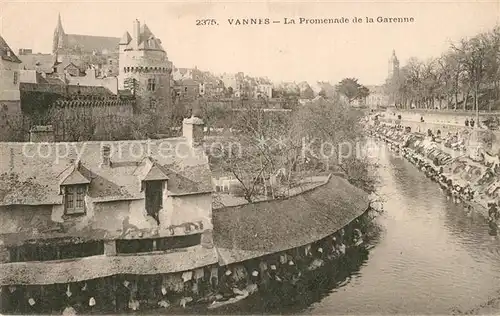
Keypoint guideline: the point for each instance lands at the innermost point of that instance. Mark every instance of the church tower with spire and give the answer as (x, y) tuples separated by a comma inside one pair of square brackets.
[(59, 35), (393, 65)]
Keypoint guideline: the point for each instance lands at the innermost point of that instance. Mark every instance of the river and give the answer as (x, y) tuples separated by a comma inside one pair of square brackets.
[(430, 258)]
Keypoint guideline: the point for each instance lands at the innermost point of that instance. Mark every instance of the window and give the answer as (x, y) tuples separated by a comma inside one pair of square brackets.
[(152, 103), (47, 252), (74, 199), (16, 77), (151, 85), (154, 198), (111, 61), (134, 245), (128, 246), (176, 242)]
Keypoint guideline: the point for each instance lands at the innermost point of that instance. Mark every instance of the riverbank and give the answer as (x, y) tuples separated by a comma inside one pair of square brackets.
[(463, 180), (490, 307)]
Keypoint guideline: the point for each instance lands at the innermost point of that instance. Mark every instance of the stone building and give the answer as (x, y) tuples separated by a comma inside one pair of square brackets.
[(145, 69), (10, 100), (185, 79), (104, 209), (377, 98), (96, 50)]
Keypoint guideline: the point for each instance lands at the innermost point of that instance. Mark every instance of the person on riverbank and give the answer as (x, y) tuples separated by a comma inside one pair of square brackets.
[(493, 214), (472, 123), (466, 122), (227, 284)]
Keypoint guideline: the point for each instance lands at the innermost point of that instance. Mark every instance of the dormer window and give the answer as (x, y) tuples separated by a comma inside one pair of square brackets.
[(154, 185), (74, 199), (74, 188), (154, 198)]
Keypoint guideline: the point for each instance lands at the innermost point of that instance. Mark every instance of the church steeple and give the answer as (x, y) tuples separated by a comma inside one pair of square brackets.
[(57, 41), (393, 65), (59, 24)]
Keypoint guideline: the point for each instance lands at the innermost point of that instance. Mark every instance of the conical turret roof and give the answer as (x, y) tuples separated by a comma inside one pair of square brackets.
[(126, 38)]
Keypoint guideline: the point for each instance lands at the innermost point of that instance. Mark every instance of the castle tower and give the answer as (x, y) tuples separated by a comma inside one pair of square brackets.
[(144, 69), (393, 65), (58, 39)]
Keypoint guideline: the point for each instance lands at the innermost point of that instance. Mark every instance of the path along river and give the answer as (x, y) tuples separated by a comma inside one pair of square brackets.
[(429, 258)]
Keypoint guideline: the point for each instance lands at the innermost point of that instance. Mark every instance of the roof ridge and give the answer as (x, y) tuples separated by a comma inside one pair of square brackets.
[(87, 35)]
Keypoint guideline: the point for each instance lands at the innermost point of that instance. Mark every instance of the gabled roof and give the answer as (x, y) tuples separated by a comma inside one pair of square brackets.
[(186, 82), (41, 62), (89, 43), (147, 40), (50, 80), (6, 53), (78, 63), (30, 179), (151, 43), (156, 173), (75, 177)]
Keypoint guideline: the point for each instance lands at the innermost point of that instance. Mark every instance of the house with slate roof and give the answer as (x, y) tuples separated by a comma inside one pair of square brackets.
[(10, 99), (102, 201)]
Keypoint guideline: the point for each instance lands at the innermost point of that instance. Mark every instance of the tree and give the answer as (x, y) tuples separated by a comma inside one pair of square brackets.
[(252, 154), (469, 71), (363, 93), (351, 89), (473, 55), (291, 144), (307, 92), (213, 114), (334, 133)]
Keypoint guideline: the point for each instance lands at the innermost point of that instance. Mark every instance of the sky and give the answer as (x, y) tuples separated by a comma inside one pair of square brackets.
[(326, 52)]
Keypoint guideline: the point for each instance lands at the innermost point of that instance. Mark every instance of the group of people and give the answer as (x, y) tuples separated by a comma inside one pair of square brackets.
[(470, 122), (458, 193), (435, 172), (287, 268)]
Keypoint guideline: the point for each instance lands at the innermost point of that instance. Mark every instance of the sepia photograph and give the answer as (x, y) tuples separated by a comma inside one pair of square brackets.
[(249, 158)]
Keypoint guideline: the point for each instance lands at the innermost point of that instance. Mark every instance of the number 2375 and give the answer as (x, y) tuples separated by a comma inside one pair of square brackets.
[(206, 22)]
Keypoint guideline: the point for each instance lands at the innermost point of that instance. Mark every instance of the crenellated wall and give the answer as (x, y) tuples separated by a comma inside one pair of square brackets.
[(96, 107)]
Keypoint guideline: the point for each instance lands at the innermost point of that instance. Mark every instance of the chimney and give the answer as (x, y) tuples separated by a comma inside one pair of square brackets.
[(192, 130), (42, 134), (136, 33), (106, 155)]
